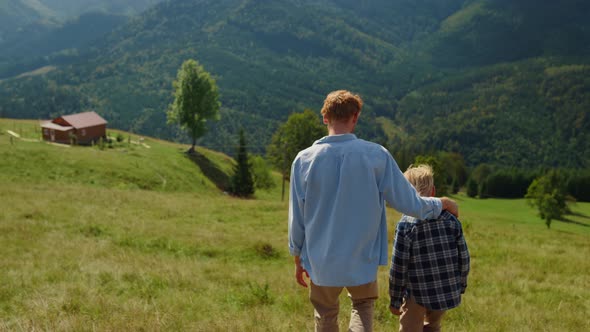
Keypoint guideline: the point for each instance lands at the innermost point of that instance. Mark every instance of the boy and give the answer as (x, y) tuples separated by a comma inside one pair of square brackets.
[(430, 263)]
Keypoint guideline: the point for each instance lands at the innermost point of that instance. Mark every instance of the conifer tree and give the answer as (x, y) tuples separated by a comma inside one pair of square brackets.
[(471, 187), (242, 183)]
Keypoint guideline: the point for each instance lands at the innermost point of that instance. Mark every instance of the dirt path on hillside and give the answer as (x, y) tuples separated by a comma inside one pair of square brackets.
[(17, 136), (12, 133)]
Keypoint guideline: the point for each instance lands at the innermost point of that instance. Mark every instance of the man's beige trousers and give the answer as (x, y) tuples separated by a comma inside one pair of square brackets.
[(326, 304)]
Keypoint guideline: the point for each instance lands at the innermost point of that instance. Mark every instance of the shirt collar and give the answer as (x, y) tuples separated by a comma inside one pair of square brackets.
[(336, 138)]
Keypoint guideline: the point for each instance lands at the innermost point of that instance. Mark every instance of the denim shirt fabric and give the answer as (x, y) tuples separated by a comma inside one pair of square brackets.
[(337, 220)]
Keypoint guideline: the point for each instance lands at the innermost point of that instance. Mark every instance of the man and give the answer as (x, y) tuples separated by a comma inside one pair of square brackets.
[(430, 263), (337, 224)]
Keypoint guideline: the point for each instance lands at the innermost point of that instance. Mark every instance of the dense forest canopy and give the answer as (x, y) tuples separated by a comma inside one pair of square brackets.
[(502, 82), (37, 33)]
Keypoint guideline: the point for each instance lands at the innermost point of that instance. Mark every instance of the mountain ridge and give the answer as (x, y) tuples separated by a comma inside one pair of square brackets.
[(272, 58), (35, 32)]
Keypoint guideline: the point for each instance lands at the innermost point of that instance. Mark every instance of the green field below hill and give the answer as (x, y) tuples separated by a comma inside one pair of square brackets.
[(132, 238)]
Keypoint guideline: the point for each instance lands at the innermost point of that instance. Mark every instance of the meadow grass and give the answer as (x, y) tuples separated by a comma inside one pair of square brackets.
[(79, 255)]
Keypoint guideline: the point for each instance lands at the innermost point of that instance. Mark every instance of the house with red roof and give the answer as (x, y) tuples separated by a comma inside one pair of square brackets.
[(81, 128)]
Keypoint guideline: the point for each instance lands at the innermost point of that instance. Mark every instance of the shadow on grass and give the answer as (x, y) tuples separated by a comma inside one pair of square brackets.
[(570, 221), (581, 215), (210, 170)]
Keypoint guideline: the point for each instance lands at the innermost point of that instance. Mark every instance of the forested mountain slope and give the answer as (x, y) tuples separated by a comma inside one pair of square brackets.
[(510, 85), (34, 33), (423, 66), (16, 14), (490, 32), (19, 17)]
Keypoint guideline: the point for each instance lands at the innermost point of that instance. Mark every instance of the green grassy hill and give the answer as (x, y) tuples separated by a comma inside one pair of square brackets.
[(133, 238), (133, 163)]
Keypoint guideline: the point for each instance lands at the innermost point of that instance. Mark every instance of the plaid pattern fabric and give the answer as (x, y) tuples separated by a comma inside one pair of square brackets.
[(430, 262)]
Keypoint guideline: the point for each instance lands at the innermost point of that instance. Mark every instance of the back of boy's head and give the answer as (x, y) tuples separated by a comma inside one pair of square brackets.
[(341, 105), (422, 178)]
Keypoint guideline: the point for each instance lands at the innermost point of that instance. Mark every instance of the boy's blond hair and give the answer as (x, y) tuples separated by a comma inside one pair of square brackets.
[(341, 105), (422, 178)]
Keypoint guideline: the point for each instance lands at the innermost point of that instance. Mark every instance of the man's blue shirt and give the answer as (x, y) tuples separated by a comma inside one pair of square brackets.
[(337, 220)]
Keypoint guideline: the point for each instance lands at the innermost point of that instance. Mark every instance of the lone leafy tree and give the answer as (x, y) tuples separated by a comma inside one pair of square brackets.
[(261, 173), (298, 133), (242, 182), (548, 195), (196, 100)]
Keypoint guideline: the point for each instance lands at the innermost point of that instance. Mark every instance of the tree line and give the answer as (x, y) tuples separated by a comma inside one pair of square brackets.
[(196, 101), (549, 190)]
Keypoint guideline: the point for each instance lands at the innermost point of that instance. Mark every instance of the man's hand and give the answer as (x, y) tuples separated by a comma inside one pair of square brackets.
[(395, 311), (299, 271), (450, 205)]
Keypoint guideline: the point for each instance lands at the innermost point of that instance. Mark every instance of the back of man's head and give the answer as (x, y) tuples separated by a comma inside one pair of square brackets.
[(341, 105), (422, 178)]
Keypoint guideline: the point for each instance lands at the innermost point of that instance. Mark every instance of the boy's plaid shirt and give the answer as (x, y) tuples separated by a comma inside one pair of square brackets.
[(430, 262)]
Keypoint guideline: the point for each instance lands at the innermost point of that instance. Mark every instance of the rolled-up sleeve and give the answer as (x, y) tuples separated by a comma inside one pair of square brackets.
[(402, 196), (296, 205)]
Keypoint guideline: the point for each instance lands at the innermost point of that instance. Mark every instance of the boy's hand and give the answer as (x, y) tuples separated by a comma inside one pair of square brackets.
[(450, 205), (395, 311), (299, 271)]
